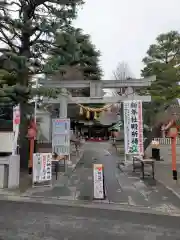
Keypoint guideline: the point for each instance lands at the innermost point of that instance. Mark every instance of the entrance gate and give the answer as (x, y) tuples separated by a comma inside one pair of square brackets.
[(96, 87), (96, 91)]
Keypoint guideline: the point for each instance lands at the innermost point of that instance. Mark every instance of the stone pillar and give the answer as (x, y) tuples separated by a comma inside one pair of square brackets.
[(63, 103), (96, 89), (14, 171)]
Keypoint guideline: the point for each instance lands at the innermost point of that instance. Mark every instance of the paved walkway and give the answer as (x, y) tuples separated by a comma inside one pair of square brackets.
[(122, 186), (148, 192), (164, 175)]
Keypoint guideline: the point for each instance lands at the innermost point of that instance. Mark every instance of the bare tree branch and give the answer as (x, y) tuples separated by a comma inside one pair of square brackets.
[(36, 38), (122, 72)]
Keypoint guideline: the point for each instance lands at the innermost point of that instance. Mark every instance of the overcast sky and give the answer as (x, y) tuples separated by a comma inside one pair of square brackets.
[(123, 29)]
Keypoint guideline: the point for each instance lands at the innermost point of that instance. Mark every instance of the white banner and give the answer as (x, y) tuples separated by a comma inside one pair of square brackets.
[(127, 126), (16, 122), (42, 167), (98, 181), (133, 127)]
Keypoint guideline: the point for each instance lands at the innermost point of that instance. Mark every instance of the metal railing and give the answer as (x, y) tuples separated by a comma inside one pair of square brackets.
[(166, 141)]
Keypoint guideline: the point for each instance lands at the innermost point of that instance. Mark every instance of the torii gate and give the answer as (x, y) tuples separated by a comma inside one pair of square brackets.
[(96, 91)]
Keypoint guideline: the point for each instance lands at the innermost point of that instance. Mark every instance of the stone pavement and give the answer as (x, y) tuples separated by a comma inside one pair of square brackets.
[(122, 185), (163, 170), (164, 176), (148, 192)]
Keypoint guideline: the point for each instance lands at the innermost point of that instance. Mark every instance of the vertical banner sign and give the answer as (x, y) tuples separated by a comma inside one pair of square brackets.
[(42, 167), (140, 129), (127, 126), (61, 136), (134, 124), (98, 181), (16, 122)]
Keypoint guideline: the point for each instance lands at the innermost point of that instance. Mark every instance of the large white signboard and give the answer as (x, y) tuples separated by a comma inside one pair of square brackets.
[(61, 136), (133, 127), (42, 167), (98, 181)]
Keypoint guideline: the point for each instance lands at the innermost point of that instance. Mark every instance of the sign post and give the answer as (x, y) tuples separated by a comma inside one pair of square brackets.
[(133, 128), (98, 182), (42, 169)]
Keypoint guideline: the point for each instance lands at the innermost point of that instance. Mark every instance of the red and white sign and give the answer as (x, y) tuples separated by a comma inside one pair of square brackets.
[(98, 181), (16, 122)]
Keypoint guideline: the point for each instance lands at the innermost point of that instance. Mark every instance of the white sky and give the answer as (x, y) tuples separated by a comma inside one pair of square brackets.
[(123, 29)]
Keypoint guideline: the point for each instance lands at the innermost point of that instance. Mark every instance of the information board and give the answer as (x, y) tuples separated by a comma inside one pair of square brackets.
[(42, 167), (61, 136), (98, 181)]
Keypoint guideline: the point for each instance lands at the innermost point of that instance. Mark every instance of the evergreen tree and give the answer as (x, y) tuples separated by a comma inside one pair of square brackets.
[(74, 50), (162, 60), (27, 29)]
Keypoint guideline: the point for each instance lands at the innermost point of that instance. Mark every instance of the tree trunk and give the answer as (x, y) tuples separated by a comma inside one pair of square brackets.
[(24, 143)]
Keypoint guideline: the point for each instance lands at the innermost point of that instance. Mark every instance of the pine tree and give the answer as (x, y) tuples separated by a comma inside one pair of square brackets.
[(27, 29), (163, 60), (74, 49)]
